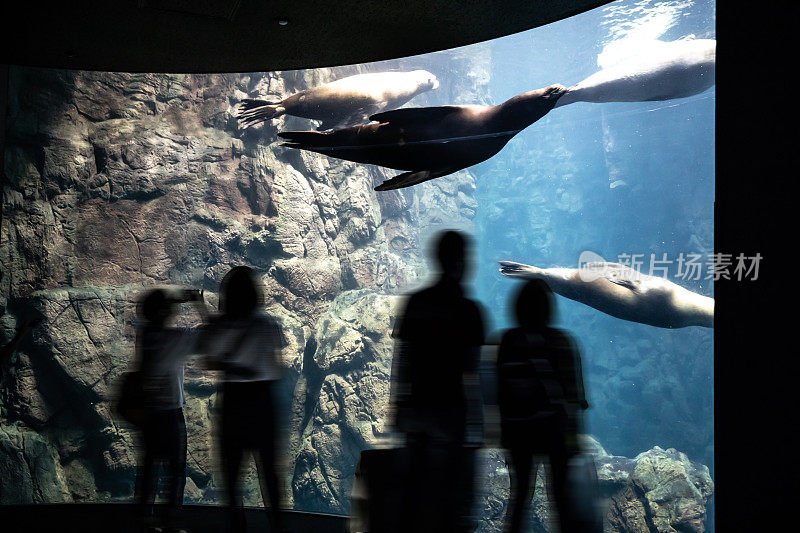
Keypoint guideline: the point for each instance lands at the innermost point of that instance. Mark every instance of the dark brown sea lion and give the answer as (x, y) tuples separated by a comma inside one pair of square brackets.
[(622, 292), (344, 102), (430, 142)]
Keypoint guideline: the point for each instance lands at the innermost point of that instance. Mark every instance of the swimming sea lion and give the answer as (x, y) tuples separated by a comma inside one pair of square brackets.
[(430, 142), (344, 102), (624, 293), (660, 71)]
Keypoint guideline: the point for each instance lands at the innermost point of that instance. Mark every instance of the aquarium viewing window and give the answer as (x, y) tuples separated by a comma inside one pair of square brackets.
[(120, 182)]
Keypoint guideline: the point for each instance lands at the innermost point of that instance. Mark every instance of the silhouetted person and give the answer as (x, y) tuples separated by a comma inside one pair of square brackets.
[(439, 337), (246, 345), (540, 393), (162, 352)]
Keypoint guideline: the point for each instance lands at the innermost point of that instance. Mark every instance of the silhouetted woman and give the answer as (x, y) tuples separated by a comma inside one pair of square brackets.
[(246, 345), (540, 390)]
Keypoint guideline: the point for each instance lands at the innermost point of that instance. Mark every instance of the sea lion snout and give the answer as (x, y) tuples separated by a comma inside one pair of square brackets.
[(427, 80), (431, 83), (555, 91)]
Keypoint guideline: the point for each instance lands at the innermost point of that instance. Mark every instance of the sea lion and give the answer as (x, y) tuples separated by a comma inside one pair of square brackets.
[(624, 293), (344, 102), (659, 71), (430, 142)]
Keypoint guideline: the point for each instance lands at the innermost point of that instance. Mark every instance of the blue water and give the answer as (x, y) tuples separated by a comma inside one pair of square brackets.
[(616, 178)]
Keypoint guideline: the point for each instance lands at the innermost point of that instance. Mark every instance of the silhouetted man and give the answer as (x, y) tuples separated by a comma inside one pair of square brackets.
[(439, 338)]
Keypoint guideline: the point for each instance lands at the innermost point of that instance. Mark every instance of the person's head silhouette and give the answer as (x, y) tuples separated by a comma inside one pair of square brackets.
[(451, 254), (241, 293), (154, 307), (534, 305)]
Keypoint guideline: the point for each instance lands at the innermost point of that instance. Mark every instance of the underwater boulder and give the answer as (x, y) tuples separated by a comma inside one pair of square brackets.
[(656, 491), (29, 469), (347, 393)]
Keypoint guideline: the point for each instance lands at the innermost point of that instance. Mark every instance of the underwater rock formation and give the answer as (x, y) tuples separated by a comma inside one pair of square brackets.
[(28, 472), (117, 182), (664, 491), (346, 383), (658, 491)]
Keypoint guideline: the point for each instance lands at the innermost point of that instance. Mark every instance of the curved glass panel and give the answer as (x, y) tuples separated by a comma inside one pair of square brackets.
[(118, 183)]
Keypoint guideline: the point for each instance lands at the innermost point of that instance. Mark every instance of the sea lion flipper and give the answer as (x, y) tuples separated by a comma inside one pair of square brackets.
[(512, 269), (407, 179), (630, 284), (328, 124), (409, 115), (253, 111), (358, 118)]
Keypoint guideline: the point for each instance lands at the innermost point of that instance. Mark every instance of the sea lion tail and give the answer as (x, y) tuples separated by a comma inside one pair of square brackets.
[(253, 111), (305, 139)]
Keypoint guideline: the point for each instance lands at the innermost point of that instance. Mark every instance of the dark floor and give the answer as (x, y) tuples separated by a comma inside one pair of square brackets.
[(91, 518)]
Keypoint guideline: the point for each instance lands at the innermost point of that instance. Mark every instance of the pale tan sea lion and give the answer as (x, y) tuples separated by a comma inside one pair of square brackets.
[(659, 71), (344, 102), (622, 292)]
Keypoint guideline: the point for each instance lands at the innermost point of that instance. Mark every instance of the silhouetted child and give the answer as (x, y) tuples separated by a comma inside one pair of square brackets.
[(162, 353), (246, 345), (540, 392)]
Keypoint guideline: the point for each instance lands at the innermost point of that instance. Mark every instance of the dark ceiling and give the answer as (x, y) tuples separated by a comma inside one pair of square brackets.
[(256, 35)]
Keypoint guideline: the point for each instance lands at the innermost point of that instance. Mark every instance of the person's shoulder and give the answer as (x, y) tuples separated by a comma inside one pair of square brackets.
[(262, 318), (559, 332), (425, 293), (513, 337), (560, 338), (266, 320), (413, 302), (474, 305), (474, 308), (269, 325), (512, 333)]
